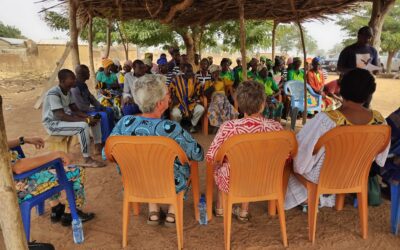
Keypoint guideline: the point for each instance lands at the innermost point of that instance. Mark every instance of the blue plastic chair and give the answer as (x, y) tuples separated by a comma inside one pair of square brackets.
[(295, 89), (38, 201), (395, 208)]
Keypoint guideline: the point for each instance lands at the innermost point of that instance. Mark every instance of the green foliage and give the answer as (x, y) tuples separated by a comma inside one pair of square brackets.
[(390, 31), (10, 31), (288, 38)]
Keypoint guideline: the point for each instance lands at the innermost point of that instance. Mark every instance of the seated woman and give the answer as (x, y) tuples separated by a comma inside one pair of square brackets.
[(108, 89), (46, 179), (151, 95), (220, 109), (273, 108), (315, 78), (356, 87), (251, 100)]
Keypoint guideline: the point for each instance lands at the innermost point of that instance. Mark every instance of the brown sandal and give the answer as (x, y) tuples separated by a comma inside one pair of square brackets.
[(156, 221), (170, 223)]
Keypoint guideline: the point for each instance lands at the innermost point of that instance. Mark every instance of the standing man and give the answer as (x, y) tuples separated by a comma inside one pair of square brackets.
[(359, 55), (61, 116), (128, 105)]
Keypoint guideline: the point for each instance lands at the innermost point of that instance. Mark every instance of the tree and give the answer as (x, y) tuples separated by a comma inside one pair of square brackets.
[(390, 30), (10, 31)]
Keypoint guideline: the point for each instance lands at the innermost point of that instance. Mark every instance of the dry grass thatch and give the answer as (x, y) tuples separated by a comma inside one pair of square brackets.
[(199, 12)]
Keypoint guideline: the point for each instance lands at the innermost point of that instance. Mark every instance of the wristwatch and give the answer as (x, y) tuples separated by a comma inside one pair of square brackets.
[(21, 140)]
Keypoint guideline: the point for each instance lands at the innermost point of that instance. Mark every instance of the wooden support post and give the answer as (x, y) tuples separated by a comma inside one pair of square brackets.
[(108, 34), (274, 39), (10, 215), (90, 40), (242, 38), (73, 33), (52, 79), (305, 72)]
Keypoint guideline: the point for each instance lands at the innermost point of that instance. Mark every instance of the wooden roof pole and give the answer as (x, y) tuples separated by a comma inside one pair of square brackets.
[(242, 38), (276, 23), (305, 58), (74, 32), (305, 72), (10, 215), (90, 47)]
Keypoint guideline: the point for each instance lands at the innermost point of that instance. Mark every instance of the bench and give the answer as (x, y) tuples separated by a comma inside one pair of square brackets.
[(59, 142)]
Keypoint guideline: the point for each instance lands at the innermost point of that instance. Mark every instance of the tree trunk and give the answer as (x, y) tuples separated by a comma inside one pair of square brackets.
[(10, 215), (274, 39), (379, 10), (124, 41), (187, 37), (108, 36), (305, 72), (242, 38), (90, 40), (74, 33), (389, 61)]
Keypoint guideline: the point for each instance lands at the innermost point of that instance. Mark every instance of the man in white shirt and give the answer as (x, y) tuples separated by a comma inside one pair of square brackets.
[(128, 104)]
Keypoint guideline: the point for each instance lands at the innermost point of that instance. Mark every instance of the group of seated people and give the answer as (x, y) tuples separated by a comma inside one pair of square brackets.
[(177, 88)]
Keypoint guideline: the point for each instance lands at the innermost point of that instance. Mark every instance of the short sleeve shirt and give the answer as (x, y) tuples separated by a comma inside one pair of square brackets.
[(356, 56), (107, 80), (55, 99)]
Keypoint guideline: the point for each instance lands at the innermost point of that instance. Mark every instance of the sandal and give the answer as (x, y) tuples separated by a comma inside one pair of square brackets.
[(237, 213), (218, 212), (170, 223), (93, 164), (156, 221)]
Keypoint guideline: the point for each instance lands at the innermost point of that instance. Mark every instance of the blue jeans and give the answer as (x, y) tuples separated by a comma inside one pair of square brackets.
[(107, 121)]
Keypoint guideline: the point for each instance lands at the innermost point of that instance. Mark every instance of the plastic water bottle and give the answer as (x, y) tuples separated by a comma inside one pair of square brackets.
[(77, 231), (203, 210)]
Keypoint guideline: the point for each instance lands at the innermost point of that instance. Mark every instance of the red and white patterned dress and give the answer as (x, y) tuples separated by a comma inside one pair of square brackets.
[(247, 125)]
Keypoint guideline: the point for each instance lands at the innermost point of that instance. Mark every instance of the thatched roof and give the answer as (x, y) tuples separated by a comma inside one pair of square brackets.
[(192, 12)]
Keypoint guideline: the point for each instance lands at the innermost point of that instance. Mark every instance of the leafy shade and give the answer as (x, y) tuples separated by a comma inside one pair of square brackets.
[(10, 31)]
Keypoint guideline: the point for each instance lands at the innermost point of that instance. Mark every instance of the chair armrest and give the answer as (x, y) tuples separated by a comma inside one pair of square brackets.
[(55, 164)]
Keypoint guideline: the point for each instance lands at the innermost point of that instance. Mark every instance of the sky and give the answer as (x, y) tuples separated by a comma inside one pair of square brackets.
[(23, 14)]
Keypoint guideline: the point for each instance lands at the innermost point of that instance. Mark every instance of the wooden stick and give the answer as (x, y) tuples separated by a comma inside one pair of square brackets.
[(52, 79), (10, 215), (276, 23), (108, 37), (90, 41), (305, 72), (73, 33), (242, 38)]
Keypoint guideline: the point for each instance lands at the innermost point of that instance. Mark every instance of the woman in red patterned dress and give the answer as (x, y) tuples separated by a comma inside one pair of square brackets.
[(251, 101)]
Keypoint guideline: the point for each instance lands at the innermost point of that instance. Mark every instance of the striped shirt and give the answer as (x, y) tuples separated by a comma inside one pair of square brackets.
[(203, 79)]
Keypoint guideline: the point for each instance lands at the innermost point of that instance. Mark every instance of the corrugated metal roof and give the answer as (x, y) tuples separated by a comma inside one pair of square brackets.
[(13, 41)]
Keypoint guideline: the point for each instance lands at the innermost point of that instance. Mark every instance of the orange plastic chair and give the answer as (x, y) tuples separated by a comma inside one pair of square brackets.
[(147, 178), (349, 153), (257, 164), (204, 120)]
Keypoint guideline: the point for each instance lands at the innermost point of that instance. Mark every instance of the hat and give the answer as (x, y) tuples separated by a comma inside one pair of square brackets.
[(296, 59), (268, 62), (107, 62), (148, 55), (263, 58), (148, 62), (116, 62), (162, 61), (213, 68)]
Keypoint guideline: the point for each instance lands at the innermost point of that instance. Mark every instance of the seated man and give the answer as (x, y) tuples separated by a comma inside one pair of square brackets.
[(185, 90), (83, 99), (61, 116), (128, 105), (46, 179)]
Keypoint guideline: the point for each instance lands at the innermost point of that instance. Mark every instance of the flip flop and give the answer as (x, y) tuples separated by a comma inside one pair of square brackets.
[(242, 219), (170, 223), (93, 164), (154, 222), (218, 212)]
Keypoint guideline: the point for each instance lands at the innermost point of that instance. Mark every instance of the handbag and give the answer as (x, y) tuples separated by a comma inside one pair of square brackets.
[(374, 191)]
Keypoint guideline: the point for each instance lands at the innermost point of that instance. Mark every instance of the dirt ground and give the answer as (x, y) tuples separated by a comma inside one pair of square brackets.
[(335, 230)]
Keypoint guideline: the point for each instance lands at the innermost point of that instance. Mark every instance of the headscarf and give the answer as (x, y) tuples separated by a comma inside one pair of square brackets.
[(148, 62), (268, 62), (296, 59), (213, 68), (107, 62), (162, 61), (316, 60), (116, 62), (289, 61), (148, 55), (263, 58)]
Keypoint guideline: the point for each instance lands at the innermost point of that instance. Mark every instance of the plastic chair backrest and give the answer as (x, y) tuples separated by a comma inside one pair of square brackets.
[(146, 164), (257, 161), (296, 90), (349, 153)]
